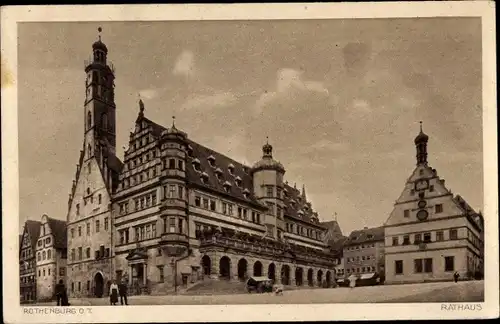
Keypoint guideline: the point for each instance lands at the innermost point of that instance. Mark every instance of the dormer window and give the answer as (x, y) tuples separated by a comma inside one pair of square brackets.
[(293, 202), (218, 173), (245, 170), (190, 150), (230, 168), (238, 181), (196, 164), (227, 186), (204, 177), (246, 193), (300, 213), (211, 161), (369, 236)]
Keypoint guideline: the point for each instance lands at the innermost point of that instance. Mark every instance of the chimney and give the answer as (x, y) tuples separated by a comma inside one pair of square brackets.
[(366, 227)]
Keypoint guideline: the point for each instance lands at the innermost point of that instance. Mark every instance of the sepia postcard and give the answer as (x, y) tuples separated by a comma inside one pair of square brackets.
[(249, 162)]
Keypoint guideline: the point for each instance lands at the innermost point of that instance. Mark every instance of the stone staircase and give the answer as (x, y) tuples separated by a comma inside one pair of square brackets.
[(217, 287)]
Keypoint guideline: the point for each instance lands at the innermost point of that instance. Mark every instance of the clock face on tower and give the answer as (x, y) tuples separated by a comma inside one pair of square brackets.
[(422, 215), (421, 185)]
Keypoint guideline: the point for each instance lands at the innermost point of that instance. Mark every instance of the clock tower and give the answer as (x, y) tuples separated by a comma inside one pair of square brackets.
[(100, 108)]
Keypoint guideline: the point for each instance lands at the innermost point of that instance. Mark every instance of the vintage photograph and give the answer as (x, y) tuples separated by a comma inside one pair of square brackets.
[(251, 162)]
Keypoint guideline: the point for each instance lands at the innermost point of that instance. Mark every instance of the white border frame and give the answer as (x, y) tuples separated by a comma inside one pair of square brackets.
[(233, 313)]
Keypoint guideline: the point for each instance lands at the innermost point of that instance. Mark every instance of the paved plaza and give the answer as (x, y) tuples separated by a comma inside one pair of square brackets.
[(468, 291)]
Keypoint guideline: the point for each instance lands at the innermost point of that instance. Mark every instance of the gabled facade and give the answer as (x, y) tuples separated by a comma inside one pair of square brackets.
[(89, 221), (51, 255), (431, 233), (27, 261)]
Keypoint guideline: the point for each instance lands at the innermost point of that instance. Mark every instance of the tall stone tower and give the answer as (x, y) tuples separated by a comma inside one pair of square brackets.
[(89, 222), (268, 189)]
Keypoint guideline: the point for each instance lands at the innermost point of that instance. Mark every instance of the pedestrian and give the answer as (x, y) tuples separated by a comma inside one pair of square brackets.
[(122, 289), (455, 276), (61, 295), (352, 282), (113, 293)]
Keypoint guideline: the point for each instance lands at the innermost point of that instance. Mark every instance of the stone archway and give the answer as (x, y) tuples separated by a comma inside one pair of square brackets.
[(328, 279), (257, 269), (225, 268), (285, 274), (319, 277), (242, 269), (298, 276), (206, 264), (271, 272), (98, 285), (310, 277)]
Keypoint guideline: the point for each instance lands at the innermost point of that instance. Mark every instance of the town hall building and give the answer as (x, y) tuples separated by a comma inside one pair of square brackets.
[(432, 233), (175, 212)]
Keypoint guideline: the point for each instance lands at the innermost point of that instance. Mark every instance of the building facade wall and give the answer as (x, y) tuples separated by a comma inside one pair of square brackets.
[(363, 258), (27, 268)]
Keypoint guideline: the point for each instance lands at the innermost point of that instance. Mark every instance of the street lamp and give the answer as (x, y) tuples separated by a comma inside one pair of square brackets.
[(173, 263)]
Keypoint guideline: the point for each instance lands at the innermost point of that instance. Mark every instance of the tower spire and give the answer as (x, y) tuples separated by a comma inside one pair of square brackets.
[(304, 192), (421, 146), (141, 107)]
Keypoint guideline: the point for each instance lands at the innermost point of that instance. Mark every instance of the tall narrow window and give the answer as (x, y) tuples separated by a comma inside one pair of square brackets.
[(89, 149), (99, 198), (89, 120), (171, 224), (453, 234), (398, 267)]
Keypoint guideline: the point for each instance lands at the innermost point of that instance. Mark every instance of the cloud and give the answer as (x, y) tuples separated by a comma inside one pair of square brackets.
[(361, 105), (149, 93), (289, 80), (218, 99), (184, 65), (325, 144)]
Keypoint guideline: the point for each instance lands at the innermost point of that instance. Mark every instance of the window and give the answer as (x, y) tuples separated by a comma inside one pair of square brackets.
[(279, 212), (418, 265), (269, 191), (418, 238), (106, 225), (62, 271), (439, 236), (180, 222), (427, 237), (162, 275), (171, 163), (244, 213), (43, 271), (421, 172), (44, 255), (88, 285), (240, 210), (97, 226), (72, 287), (171, 225), (449, 263), (39, 256), (87, 252), (398, 267), (212, 204), (88, 228), (39, 273), (431, 188), (205, 203), (48, 271), (80, 254), (197, 201), (407, 213), (73, 255), (406, 239), (72, 234), (453, 234), (395, 241), (224, 208), (230, 209), (278, 192), (180, 191), (180, 164), (428, 265), (99, 198), (79, 231), (79, 285), (77, 209), (439, 208), (49, 254)]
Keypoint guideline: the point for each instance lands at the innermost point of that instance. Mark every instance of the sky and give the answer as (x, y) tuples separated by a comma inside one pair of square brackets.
[(340, 101)]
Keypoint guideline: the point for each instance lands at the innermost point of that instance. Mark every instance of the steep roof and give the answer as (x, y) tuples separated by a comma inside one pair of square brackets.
[(365, 235), (334, 232), (58, 228), (33, 231)]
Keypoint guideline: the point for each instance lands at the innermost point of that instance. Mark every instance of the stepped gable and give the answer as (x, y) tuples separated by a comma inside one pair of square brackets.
[(33, 231), (58, 228), (367, 235), (221, 163)]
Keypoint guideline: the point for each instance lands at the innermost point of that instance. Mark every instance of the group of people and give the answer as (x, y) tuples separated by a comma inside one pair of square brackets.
[(115, 290)]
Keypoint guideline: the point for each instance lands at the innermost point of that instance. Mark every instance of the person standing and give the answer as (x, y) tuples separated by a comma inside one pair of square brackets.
[(113, 293), (456, 276), (61, 295), (123, 290)]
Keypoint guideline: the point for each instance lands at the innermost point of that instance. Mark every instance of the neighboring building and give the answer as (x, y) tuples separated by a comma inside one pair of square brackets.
[(340, 268), (364, 252), (50, 256), (89, 218), (27, 260), (176, 212), (333, 233), (431, 233)]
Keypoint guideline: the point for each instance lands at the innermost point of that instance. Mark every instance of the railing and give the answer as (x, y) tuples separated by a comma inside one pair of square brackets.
[(258, 247), (174, 238)]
